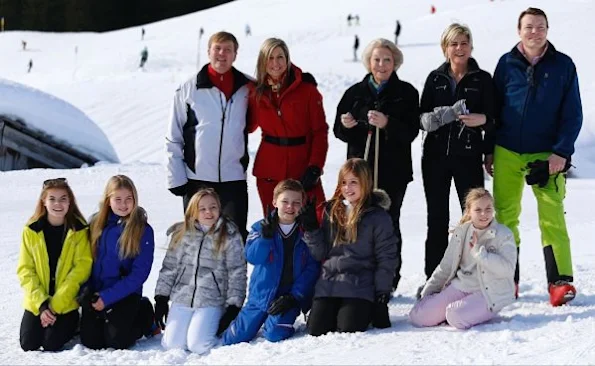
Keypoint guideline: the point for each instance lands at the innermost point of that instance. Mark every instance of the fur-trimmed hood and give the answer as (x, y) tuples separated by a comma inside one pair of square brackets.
[(381, 199)]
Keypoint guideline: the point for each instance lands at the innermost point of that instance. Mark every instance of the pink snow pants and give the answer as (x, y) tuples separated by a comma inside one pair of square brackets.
[(461, 310)]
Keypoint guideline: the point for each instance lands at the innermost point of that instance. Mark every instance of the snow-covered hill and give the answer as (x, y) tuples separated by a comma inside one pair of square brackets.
[(131, 106)]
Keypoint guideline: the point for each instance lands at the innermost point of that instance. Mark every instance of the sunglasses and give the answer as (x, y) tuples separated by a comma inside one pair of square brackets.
[(54, 182)]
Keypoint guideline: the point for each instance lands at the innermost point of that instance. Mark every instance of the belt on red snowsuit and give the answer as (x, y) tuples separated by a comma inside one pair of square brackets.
[(285, 141)]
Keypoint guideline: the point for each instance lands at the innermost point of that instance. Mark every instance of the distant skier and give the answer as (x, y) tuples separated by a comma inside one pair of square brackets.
[(24, 44), (349, 17), (144, 55), (201, 32), (356, 17), (355, 47), (30, 65), (142, 34), (397, 32), (248, 30)]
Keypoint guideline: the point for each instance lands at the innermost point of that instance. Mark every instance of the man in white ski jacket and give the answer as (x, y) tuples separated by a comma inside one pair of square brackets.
[(206, 140)]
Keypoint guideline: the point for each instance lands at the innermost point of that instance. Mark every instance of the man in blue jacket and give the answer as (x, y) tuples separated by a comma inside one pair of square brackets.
[(284, 274), (539, 118)]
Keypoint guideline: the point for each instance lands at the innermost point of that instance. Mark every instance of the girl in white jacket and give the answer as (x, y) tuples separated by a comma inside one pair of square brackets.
[(474, 280)]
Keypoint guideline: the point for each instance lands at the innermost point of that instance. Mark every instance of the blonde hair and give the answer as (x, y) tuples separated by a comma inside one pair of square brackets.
[(267, 48), (382, 43), (223, 36), (72, 215), (346, 224), (451, 32), (191, 217), (136, 221), (473, 196)]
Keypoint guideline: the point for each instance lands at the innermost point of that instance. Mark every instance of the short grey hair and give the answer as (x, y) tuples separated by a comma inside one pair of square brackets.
[(382, 43)]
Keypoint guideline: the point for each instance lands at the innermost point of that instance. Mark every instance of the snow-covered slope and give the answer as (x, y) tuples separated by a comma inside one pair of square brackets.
[(131, 106)]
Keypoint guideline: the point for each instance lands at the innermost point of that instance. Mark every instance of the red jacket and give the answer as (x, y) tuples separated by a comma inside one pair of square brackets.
[(299, 114)]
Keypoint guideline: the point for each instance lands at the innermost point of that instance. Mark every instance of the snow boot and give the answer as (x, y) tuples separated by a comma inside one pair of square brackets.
[(561, 292)]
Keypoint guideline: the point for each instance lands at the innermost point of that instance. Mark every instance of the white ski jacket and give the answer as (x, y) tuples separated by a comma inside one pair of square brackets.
[(206, 137), (496, 256)]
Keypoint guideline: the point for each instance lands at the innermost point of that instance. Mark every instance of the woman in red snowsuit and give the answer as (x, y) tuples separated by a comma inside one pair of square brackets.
[(286, 105)]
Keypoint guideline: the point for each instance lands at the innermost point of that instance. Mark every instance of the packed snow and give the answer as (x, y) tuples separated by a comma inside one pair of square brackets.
[(131, 106)]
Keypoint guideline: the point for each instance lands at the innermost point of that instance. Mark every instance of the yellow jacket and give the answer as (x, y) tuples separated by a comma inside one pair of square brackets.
[(72, 270)]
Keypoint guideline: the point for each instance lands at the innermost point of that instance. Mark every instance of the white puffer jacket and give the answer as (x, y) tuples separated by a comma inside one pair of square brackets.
[(496, 256)]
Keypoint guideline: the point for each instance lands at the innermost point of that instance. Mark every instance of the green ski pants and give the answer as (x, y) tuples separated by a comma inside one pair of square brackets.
[(510, 169)]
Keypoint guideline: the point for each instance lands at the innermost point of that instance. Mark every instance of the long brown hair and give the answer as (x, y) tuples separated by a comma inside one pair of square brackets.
[(473, 196), (346, 224), (72, 215), (191, 218), (267, 48), (135, 222)]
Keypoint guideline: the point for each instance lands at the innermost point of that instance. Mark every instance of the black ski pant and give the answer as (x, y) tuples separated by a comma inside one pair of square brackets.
[(233, 196), (118, 326), (339, 314), (437, 173), (51, 338), (396, 192)]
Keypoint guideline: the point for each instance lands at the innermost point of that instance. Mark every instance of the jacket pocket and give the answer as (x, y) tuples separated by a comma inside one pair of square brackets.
[(179, 279), (216, 283)]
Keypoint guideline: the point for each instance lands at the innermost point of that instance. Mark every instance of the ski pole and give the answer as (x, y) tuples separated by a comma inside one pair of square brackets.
[(376, 152), (367, 150)]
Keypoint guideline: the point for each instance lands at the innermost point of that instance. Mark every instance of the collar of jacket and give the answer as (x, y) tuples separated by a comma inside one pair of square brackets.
[(550, 52), (295, 76), (489, 234), (40, 224), (203, 81), (222, 221), (391, 84), (472, 67)]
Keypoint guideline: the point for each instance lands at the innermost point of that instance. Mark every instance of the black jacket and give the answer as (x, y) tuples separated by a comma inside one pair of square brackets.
[(361, 269), (399, 101), (477, 88)]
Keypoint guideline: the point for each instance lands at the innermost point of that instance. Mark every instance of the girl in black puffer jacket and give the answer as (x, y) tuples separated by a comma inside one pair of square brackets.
[(457, 111)]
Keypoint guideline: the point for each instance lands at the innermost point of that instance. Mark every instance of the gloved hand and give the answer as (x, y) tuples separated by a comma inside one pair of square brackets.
[(269, 224), (179, 191), (380, 318), (282, 304), (539, 173), (440, 116), (85, 297), (161, 310), (310, 177), (307, 216), (231, 312)]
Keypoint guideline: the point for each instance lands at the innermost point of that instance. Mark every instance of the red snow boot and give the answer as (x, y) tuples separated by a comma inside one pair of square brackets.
[(561, 292)]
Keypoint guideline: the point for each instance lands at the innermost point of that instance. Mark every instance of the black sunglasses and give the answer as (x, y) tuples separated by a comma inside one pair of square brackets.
[(54, 182)]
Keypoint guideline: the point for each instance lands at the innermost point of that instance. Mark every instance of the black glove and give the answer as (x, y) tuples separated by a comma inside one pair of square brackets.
[(161, 310), (179, 191), (85, 297), (310, 177), (282, 304), (231, 312), (539, 173), (380, 318), (270, 223), (308, 217)]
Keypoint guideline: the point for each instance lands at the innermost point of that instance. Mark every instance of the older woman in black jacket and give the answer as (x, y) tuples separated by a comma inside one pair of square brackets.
[(457, 110), (382, 100)]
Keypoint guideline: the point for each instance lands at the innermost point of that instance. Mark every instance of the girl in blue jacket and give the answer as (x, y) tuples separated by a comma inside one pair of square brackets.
[(114, 313), (284, 274)]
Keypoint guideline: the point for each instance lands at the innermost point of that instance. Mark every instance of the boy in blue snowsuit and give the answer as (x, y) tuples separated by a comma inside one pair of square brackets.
[(284, 274)]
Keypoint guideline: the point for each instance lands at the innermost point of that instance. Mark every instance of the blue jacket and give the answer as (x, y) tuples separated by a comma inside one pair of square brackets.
[(115, 278), (267, 257), (539, 106)]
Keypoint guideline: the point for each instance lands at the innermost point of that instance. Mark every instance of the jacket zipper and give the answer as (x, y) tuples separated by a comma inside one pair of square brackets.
[(529, 92), (196, 273), (223, 111)]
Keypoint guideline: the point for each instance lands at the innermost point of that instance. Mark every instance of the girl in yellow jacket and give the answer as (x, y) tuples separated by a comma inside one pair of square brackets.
[(55, 260)]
